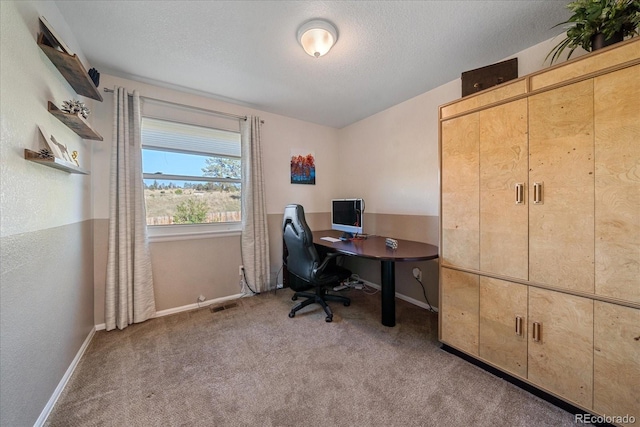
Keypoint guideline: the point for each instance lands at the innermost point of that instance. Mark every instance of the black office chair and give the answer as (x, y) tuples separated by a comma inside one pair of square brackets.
[(303, 262)]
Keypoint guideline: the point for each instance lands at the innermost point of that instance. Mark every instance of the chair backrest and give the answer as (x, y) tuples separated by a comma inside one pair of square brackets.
[(301, 256)]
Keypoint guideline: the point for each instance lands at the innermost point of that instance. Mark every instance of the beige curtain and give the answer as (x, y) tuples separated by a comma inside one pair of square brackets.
[(129, 289), (255, 237)]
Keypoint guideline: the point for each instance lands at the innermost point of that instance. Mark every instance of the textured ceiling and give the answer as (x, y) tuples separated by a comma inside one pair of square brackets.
[(246, 52)]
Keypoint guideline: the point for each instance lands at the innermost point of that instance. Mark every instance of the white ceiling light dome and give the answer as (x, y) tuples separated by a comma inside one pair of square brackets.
[(317, 37)]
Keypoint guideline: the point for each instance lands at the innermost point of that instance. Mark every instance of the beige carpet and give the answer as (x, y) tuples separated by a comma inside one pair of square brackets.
[(251, 365)]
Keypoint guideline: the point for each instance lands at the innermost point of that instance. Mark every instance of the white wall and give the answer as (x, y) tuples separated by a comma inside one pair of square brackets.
[(391, 158), (46, 286), (29, 80)]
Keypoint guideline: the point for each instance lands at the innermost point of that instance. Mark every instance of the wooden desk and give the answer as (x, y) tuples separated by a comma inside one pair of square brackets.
[(374, 247)]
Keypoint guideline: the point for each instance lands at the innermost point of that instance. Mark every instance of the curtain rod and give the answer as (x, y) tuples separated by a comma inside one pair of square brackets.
[(219, 113)]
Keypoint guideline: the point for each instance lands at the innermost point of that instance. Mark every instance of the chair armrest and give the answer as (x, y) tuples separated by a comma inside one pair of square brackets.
[(325, 262)]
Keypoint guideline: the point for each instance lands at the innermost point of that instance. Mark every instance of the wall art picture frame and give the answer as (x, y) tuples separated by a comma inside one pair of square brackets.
[(303, 167)]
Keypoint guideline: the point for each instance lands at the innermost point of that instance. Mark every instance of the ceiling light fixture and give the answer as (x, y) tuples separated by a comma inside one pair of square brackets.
[(317, 37)]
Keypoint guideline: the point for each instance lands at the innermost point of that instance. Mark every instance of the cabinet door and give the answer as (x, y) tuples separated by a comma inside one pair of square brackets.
[(459, 310), (561, 358), (504, 220), (561, 225), (460, 194), (503, 325), (617, 184), (616, 370)]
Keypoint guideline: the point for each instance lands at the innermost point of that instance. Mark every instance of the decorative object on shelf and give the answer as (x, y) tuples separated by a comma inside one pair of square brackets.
[(45, 154), (63, 149), (49, 145), (75, 122), (598, 23), (74, 156), (95, 76), (75, 107), (68, 64), (53, 162), (491, 75), (52, 36), (391, 243)]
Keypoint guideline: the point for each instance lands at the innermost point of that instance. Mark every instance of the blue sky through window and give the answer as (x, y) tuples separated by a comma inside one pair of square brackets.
[(172, 163)]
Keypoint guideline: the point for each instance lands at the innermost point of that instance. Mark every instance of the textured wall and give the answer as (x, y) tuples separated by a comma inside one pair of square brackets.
[(46, 261), (47, 313)]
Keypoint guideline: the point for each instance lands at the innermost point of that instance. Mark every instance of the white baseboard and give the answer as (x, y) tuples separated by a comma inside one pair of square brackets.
[(63, 382), (187, 307), (410, 300)]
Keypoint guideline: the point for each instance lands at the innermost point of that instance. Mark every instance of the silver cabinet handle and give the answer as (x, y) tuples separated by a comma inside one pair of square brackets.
[(537, 193), (519, 193), (519, 326), (536, 332)]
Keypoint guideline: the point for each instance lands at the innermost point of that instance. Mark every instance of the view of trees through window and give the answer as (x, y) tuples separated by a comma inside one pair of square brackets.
[(195, 201), (192, 173)]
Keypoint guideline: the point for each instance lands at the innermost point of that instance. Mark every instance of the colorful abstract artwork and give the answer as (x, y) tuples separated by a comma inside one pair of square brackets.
[(303, 167)]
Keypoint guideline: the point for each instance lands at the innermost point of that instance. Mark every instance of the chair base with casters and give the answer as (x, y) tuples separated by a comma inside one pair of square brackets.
[(319, 297)]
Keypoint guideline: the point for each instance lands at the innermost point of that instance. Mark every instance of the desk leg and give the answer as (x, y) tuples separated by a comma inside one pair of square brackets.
[(388, 275)]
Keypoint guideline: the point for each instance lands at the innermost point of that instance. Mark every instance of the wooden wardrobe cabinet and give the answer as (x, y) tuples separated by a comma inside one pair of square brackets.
[(617, 184), (460, 309), (561, 344), (616, 362), (540, 229), (561, 187), (503, 324)]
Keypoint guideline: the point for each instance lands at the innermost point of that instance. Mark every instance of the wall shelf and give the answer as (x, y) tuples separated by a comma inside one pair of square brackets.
[(54, 162), (75, 122), (71, 69)]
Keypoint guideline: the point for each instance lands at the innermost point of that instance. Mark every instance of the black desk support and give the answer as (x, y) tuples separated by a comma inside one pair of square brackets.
[(374, 247)]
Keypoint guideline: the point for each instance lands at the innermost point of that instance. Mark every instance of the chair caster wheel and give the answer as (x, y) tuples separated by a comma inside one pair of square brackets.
[(292, 314), (293, 298), (347, 304), (328, 319)]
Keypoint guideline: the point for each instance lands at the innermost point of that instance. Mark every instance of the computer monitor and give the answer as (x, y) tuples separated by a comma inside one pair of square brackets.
[(346, 215)]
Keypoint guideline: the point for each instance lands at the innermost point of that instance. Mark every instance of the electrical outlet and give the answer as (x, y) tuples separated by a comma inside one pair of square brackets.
[(240, 270), (417, 273), (201, 298)]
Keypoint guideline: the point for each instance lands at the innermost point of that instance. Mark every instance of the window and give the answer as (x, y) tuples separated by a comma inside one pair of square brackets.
[(191, 174)]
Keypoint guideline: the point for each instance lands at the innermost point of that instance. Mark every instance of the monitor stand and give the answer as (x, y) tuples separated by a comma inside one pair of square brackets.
[(346, 236)]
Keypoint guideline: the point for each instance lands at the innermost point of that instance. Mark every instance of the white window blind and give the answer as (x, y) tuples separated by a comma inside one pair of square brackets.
[(179, 137)]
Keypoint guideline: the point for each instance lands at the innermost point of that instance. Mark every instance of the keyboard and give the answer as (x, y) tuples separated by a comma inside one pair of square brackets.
[(330, 239)]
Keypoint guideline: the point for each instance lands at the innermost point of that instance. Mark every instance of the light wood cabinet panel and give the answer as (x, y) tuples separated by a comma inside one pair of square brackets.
[(618, 54), (504, 225), (617, 184), (562, 359), (501, 303), (459, 305), (460, 193), (561, 147), (616, 389), (500, 93)]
